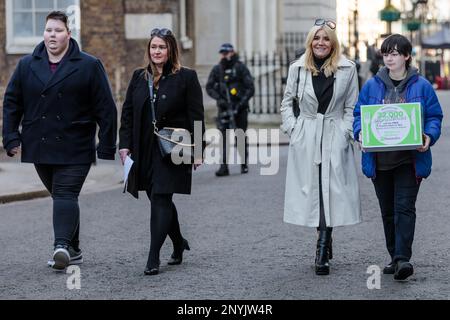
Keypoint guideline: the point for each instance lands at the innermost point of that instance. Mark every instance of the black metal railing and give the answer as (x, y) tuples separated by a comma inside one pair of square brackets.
[(270, 71), (269, 74), (292, 42)]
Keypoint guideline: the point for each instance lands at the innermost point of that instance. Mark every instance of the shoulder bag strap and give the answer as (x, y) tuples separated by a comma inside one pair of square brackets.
[(303, 84), (152, 101), (298, 81)]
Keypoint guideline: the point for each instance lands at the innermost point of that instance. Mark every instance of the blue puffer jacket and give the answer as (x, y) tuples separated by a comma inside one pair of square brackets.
[(418, 90)]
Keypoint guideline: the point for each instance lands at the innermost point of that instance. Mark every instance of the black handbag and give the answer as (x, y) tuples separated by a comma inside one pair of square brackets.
[(170, 139), (295, 102)]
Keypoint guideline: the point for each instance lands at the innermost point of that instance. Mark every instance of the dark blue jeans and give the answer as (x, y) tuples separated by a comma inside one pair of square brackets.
[(64, 182), (397, 191)]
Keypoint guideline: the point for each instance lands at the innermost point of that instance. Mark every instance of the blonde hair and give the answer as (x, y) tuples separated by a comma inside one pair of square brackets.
[(331, 64)]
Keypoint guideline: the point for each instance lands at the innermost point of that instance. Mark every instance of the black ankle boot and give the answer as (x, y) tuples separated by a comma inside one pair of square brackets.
[(323, 252), (223, 171), (177, 255)]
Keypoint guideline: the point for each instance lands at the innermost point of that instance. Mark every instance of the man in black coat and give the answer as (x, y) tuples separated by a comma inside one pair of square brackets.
[(52, 105), (231, 84)]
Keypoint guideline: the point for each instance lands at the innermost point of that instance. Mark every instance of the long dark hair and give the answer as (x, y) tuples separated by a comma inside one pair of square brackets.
[(173, 54)]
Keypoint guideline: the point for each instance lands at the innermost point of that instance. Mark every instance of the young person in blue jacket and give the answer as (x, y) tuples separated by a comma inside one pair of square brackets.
[(397, 175)]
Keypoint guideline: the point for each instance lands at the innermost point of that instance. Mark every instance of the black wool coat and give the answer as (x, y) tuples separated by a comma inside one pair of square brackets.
[(179, 105), (58, 113)]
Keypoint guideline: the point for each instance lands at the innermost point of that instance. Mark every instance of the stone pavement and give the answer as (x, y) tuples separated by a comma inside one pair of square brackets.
[(240, 246), (20, 182)]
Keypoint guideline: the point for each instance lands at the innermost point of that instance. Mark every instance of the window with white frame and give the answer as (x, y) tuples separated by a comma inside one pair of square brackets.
[(25, 22)]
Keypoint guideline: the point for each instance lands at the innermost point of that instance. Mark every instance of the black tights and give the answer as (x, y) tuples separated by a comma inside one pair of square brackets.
[(163, 222)]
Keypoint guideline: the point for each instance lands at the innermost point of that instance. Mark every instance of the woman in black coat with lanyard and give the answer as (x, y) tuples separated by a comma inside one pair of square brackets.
[(177, 103), (58, 94)]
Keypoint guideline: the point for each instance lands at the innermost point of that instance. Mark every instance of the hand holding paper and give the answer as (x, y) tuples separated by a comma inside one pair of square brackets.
[(128, 163), (123, 154)]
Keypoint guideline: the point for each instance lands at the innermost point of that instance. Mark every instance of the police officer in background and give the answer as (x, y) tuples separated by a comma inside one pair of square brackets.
[(231, 85)]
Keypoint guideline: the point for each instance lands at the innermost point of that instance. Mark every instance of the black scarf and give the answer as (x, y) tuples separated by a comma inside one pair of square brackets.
[(323, 86)]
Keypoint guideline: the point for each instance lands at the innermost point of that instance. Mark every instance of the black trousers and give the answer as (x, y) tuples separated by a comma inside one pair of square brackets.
[(397, 191), (322, 221), (163, 222), (241, 123), (64, 182)]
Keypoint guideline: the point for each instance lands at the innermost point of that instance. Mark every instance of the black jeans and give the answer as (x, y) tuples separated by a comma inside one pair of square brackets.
[(397, 191), (322, 220), (163, 222), (64, 182), (241, 123)]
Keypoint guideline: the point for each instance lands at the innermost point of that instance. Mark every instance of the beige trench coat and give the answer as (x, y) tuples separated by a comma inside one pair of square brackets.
[(321, 139)]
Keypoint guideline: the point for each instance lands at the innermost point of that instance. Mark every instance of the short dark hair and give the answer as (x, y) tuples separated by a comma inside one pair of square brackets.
[(59, 15), (399, 43)]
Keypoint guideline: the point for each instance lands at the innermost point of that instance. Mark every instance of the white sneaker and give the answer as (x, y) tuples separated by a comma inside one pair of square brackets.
[(61, 258), (76, 258)]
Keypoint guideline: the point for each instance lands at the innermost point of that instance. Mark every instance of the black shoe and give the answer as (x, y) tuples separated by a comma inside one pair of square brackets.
[(403, 270), (389, 269), (322, 265), (151, 271), (177, 258), (223, 171), (244, 169)]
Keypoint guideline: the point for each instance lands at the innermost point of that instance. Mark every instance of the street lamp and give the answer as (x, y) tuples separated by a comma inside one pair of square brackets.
[(355, 30), (389, 14), (415, 23)]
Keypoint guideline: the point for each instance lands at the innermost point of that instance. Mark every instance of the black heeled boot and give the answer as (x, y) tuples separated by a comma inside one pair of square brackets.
[(177, 256), (223, 171), (323, 252)]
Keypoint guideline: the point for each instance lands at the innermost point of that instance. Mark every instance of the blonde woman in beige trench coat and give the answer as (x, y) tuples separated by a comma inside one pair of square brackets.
[(321, 185)]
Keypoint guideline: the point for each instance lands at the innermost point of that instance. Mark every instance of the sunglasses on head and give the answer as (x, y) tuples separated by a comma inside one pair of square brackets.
[(329, 23), (160, 32)]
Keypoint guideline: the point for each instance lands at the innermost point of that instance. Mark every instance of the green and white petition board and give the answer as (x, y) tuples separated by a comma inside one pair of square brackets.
[(391, 127)]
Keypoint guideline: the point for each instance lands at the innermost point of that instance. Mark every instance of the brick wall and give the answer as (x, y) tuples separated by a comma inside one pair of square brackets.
[(3, 70), (7, 62), (103, 35), (135, 49)]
